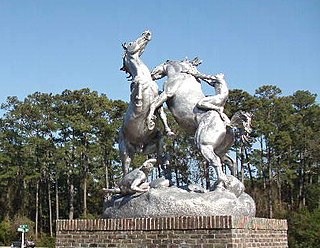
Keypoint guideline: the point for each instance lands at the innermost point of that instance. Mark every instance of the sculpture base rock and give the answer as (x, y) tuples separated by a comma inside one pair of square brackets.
[(173, 201)]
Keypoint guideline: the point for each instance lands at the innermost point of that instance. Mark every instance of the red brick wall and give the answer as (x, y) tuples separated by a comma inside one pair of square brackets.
[(192, 231)]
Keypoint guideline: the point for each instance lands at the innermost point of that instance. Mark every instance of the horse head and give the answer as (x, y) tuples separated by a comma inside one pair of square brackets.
[(242, 120), (138, 45), (134, 48)]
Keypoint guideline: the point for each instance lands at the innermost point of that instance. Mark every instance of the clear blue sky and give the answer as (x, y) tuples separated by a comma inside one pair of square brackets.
[(52, 45)]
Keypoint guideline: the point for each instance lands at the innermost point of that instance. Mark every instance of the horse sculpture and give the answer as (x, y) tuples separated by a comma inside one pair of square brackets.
[(238, 127), (134, 136), (240, 124), (193, 112)]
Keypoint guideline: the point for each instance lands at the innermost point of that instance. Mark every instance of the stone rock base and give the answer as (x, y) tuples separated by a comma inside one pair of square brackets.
[(184, 231), (173, 201)]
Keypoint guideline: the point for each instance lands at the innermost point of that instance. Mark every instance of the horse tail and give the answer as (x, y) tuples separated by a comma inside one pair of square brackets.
[(241, 121)]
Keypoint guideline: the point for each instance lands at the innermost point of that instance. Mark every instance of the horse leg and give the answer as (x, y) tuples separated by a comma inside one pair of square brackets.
[(124, 154), (223, 149), (214, 160), (163, 159), (230, 163), (125, 160), (158, 101), (163, 118), (157, 145)]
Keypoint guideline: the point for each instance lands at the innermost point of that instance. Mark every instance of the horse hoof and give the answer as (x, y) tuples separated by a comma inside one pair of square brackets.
[(231, 184), (170, 133), (234, 185)]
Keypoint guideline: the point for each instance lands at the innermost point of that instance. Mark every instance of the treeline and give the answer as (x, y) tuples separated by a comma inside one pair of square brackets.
[(57, 152)]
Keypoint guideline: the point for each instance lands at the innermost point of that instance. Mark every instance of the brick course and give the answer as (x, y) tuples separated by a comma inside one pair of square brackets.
[(183, 231)]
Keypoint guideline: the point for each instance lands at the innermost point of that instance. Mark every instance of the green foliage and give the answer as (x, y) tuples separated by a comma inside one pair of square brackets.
[(8, 229), (57, 149), (5, 232), (46, 241), (22, 220), (57, 152), (304, 228)]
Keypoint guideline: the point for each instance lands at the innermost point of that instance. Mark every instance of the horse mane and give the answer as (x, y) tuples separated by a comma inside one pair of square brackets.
[(237, 121), (125, 69), (238, 118)]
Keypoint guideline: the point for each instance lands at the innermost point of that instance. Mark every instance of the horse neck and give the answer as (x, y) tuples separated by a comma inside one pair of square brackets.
[(144, 95), (138, 68), (147, 88), (236, 121)]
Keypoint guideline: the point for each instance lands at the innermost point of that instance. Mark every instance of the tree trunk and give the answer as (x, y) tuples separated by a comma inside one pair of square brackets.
[(279, 190), (40, 214), (300, 188), (85, 182), (270, 184), (301, 183), (319, 194), (85, 196), (270, 208), (8, 200), (262, 165), (106, 172), (291, 197), (57, 198), (71, 198), (105, 163), (37, 210), (304, 190), (249, 169), (279, 184), (23, 198), (237, 172), (242, 164), (50, 209)]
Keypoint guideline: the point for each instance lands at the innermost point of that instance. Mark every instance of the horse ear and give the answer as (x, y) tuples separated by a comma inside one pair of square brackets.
[(196, 61), (124, 46)]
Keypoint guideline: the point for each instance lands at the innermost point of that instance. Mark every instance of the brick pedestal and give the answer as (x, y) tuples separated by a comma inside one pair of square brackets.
[(191, 231)]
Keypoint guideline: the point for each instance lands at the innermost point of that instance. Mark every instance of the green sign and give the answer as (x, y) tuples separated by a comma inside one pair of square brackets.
[(23, 228)]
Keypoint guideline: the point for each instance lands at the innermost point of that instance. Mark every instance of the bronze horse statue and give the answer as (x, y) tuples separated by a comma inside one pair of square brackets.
[(134, 136)]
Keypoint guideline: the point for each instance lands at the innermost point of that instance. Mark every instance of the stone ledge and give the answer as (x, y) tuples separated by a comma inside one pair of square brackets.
[(172, 223)]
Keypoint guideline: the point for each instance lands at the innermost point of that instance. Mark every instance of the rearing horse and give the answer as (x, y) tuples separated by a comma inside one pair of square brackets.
[(134, 136), (191, 109)]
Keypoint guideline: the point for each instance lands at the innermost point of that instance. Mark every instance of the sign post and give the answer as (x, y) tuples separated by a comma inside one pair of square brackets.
[(23, 229)]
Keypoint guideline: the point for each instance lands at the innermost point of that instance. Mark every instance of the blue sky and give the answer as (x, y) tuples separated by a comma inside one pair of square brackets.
[(52, 45)]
